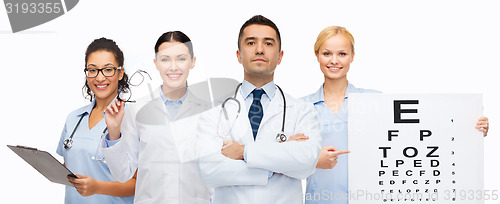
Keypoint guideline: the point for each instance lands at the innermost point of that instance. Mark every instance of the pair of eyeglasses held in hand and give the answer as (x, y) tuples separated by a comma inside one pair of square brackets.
[(135, 80)]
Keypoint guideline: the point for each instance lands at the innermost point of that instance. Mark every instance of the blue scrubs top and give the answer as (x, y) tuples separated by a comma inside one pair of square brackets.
[(330, 185), (78, 157)]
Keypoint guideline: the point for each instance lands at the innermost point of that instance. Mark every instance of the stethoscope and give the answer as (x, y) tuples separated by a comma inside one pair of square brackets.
[(280, 137), (68, 143)]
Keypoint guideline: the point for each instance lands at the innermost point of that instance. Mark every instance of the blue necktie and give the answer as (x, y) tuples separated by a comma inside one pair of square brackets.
[(255, 113)]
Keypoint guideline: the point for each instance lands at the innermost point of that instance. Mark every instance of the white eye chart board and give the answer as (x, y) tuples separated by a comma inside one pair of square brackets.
[(416, 148)]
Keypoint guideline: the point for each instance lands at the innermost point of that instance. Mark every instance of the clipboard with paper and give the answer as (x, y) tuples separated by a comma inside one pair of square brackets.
[(44, 163)]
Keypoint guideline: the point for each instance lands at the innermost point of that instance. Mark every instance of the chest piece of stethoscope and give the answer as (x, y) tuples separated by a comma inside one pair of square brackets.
[(67, 143), (281, 137)]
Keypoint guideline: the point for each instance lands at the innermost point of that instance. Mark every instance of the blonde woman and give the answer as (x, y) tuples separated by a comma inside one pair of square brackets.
[(334, 50)]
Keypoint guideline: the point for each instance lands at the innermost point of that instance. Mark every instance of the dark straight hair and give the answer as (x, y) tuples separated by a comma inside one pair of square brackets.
[(175, 36), (259, 20)]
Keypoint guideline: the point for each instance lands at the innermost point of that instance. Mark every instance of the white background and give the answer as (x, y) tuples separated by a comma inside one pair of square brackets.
[(401, 47)]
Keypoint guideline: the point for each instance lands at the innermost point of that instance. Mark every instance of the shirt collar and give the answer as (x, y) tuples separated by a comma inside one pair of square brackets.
[(87, 109), (166, 99), (247, 88), (350, 89), (319, 96)]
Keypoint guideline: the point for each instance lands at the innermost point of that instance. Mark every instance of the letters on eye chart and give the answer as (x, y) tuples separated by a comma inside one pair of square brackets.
[(420, 148)]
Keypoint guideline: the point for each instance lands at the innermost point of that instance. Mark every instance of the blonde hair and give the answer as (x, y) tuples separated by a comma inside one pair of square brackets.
[(332, 31)]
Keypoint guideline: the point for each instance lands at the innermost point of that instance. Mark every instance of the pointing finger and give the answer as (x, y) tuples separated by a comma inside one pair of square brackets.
[(340, 152)]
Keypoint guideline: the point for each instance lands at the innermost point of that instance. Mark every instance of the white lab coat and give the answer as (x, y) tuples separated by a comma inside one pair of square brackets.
[(163, 150), (237, 181)]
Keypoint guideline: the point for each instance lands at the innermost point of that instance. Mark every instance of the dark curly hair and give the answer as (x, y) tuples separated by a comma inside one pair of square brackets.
[(104, 44)]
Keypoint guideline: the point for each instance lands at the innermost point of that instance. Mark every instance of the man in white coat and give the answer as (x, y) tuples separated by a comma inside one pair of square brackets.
[(250, 165)]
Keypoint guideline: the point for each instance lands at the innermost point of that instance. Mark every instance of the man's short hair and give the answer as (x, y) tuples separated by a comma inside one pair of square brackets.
[(259, 20)]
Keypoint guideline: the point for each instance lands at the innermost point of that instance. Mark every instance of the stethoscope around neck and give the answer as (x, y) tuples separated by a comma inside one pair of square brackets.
[(68, 143), (280, 137)]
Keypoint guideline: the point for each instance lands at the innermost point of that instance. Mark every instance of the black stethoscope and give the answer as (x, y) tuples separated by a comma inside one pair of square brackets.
[(68, 143), (280, 137)]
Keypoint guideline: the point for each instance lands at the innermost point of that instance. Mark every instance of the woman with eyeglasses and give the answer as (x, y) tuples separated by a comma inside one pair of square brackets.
[(81, 135), (157, 135)]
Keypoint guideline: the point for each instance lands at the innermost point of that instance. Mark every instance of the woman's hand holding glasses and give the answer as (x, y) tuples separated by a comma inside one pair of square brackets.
[(114, 116)]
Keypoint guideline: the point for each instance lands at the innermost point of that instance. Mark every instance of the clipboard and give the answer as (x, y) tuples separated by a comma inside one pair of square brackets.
[(44, 163)]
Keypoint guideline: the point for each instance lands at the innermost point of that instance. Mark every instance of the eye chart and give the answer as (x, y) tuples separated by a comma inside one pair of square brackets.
[(416, 148)]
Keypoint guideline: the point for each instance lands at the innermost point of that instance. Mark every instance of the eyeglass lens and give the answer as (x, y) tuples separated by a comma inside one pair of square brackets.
[(137, 78), (106, 71)]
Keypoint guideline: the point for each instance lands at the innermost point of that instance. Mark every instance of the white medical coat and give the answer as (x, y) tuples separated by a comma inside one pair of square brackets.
[(237, 181), (162, 149)]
